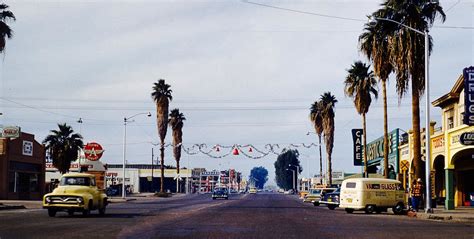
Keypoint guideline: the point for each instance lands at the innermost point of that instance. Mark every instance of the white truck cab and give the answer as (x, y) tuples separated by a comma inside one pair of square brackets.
[(372, 195)]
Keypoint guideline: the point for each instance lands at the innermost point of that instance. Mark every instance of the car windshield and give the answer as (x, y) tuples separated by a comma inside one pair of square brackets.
[(82, 181), (315, 191)]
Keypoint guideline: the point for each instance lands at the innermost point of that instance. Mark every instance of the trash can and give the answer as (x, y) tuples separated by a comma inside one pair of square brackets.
[(471, 199)]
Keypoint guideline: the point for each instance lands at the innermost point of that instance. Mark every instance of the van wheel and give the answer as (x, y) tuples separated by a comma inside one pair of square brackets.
[(369, 209), (349, 210), (51, 212), (331, 206), (398, 210)]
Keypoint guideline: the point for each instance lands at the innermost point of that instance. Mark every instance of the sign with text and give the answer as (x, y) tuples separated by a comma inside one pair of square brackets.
[(467, 138), (468, 74), (93, 151), (357, 138), (10, 132)]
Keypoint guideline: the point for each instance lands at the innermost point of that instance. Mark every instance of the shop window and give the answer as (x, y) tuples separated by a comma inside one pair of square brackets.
[(34, 185), (12, 182)]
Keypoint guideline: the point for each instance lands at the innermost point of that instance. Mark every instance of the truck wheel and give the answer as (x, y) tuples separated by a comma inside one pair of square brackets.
[(102, 209), (398, 210), (349, 210), (331, 206), (51, 212), (369, 209), (87, 211)]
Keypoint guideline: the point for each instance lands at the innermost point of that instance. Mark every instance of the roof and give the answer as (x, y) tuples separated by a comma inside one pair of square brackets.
[(452, 96)]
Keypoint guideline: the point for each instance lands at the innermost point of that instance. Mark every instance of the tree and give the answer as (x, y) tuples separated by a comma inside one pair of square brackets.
[(316, 117), (374, 43), (408, 57), (259, 175), (162, 95), (328, 102), (360, 84), (5, 30), (63, 146), (176, 122), (284, 177)]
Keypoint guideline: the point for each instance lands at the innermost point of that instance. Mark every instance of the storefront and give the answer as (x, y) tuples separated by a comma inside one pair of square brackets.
[(375, 155), (452, 155), (22, 167)]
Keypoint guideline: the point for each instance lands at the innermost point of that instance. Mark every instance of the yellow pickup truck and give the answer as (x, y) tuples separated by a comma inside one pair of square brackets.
[(77, 192)]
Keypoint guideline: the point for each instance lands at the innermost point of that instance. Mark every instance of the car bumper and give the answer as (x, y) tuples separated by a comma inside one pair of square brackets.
[(64, 206)]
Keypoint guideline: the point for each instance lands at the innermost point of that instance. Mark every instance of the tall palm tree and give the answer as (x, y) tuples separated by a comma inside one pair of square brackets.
[(374, 43), (63, 146), (162, 96), (408, 57), (5, 30), (328, 102), (360, 84), (316, 117), (176, 122)]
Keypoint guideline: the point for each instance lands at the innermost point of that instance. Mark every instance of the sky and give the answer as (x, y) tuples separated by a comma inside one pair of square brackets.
[(241, 73)]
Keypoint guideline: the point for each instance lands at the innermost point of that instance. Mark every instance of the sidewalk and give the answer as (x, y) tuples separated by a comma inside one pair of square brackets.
[(38, 204), (461, 214)]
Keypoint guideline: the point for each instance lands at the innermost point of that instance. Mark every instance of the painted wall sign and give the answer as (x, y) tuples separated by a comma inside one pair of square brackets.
[(93, 151), (357, 139), (467, 138), (211, 173), (27, 148), (468, 74)]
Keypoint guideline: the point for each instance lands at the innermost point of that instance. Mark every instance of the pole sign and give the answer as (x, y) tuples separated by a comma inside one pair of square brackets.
[(10, 132), (93, 151), (468, 73), (357, 138), (467, 138)]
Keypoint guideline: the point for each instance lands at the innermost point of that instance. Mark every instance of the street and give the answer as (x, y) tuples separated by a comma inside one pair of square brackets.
[(262, 215)]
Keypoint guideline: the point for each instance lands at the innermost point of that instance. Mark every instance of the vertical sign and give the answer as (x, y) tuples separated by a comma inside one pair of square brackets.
[(357, 138), (27, 148), (468, 73)]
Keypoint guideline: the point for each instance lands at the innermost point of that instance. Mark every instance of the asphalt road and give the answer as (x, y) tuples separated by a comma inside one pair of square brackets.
[(242, 216)]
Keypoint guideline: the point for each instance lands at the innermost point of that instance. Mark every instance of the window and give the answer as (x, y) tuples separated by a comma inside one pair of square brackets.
[(350, 185), (450, 122), (81, 181)]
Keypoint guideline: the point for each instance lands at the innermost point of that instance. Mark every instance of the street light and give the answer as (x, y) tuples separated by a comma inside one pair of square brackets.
[(428, 208), (298, 172), (125, 120), (293, 177)]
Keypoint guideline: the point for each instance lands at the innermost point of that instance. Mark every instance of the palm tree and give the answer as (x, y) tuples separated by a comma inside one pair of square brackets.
[(374, 44), (5, 30), (328, 102), (408, 57), (176, 122), (63, 146), (162, 95), (360, 83), (316, 117)]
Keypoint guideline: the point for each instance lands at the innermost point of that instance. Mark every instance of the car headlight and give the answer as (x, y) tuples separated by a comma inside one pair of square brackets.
[(80, 200), (47, 199)]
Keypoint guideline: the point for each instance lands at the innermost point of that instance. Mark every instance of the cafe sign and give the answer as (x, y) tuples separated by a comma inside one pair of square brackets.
[(357, 139), (467, 138), (10, 132)]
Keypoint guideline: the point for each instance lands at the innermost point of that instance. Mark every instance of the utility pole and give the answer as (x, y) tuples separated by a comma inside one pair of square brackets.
[(152, 169)]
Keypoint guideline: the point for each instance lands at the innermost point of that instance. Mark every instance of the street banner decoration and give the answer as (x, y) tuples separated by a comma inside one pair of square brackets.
[(357, 139), (93, 151), (468, 96)]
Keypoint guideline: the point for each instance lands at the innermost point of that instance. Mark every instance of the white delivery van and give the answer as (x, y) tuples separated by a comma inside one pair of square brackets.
[(372, 195)]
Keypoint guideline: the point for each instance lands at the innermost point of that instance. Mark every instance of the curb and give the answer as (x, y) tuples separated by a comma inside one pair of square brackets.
[(11, 207), (445, 218)]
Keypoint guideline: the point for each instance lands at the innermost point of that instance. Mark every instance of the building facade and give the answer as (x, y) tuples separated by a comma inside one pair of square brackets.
[(22, 168)]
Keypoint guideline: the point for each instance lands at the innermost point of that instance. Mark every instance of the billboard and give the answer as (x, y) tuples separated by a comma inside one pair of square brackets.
[(468, 74)]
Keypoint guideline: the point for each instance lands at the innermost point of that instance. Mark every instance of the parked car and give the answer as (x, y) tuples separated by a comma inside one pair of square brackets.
[(220, 193), (331, 199), (77, 192), (372, 195), (315, 195)]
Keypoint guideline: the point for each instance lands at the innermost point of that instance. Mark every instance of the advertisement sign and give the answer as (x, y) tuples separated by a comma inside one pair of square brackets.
[(467, 138), (211, 173), (93, 151), (468, 74), (10, 132), (357, 139)]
